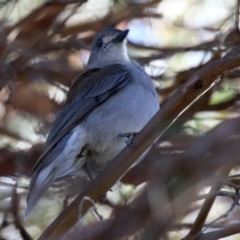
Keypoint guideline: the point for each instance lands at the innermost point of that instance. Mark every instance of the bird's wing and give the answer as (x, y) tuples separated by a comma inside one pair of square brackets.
[(89, 91)]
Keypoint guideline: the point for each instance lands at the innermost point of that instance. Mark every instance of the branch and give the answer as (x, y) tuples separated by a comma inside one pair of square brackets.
[(193, 166), (215, 235), (112, 19), (206, 207), (15, 212), (36, 25), (195, 87)]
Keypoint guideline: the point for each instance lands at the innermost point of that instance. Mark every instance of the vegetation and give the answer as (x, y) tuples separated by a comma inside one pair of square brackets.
[(187, 186)]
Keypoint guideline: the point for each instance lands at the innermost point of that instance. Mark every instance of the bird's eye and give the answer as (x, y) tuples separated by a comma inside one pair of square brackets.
[(99, 43)]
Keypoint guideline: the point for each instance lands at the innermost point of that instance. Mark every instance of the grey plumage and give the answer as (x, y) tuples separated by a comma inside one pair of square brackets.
[(114, 96)]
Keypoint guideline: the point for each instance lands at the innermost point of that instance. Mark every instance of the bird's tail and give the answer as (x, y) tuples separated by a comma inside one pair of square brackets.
[(40, 183)]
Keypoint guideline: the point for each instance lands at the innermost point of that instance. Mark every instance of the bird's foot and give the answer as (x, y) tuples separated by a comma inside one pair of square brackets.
[(129, 137), (103, 198)]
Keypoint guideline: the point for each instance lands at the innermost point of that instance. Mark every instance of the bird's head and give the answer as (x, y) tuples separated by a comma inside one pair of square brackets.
[(109, 46)]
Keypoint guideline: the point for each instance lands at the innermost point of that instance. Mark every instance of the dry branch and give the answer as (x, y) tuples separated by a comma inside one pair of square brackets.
[(215, 235), (195, 87), (37, 52), (192, 165), (206, 207)]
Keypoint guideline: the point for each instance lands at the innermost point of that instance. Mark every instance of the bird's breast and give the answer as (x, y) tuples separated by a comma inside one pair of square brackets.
[(126, 111)]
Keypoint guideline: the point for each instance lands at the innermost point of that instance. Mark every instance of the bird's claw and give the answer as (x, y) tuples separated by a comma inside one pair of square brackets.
[(102, 198), (129, 142), (129, 137)]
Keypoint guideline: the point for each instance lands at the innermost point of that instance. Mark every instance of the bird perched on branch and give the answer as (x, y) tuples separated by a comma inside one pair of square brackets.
[(106, 105)]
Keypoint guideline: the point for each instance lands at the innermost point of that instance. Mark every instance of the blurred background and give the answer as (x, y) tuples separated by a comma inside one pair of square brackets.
[(45, 44)]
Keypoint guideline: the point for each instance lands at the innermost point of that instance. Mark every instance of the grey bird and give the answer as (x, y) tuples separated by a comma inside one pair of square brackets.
[(108, 103)]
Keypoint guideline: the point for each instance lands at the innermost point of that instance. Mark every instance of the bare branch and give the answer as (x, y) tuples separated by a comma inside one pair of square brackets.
[(195, 87)]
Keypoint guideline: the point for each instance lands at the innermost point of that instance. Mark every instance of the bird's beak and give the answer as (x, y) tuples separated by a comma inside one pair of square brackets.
[(121, 36)]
